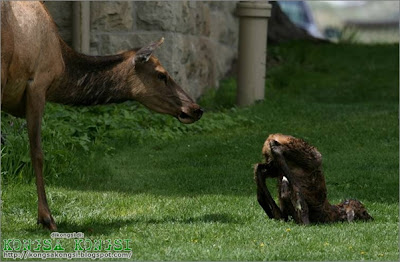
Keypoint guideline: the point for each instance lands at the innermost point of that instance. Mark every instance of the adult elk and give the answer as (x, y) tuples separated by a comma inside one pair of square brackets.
[(38, 66), (301, 184)]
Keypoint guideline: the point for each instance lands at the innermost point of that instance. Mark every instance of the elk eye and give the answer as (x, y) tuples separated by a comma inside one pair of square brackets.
[(162, 77)]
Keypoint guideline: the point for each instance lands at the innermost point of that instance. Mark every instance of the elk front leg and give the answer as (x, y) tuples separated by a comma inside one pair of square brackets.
[(261, 172), (34, 111), (289, 190)]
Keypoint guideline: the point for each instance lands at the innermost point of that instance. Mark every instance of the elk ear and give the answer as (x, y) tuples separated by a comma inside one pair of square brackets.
[(144, 53), (350, 215)]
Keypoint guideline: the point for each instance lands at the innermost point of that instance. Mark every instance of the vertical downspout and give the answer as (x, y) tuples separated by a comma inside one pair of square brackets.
[(253, 26), (81, 26)]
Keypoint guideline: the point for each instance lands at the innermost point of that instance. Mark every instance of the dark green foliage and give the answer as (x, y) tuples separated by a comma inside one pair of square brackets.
[(68, 131)]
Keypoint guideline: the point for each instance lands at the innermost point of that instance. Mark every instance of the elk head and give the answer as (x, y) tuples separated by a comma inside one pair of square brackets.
[(352, 209), (155, 89)]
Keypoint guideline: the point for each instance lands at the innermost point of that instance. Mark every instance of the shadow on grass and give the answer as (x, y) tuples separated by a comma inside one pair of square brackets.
[(111, 226), (93, 228)]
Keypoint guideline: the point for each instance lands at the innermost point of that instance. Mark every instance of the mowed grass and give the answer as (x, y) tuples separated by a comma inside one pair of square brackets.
[(192, 196)]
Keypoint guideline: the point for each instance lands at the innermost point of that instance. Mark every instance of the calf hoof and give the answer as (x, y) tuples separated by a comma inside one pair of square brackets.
[(48, 222)]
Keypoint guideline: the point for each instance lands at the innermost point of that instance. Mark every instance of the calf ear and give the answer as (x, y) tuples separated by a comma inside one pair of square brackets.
[(144, 53), (350, 215)]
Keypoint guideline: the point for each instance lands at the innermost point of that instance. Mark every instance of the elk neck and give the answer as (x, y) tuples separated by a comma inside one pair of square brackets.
[(91, 80)]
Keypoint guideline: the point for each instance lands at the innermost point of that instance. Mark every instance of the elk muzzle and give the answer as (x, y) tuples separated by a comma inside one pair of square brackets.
[(190, 114)]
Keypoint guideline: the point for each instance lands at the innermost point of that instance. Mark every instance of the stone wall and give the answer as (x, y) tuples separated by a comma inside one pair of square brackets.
[(62, 15), (200, 37)]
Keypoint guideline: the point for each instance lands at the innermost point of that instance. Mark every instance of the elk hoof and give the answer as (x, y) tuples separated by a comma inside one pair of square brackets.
[(47, 221)]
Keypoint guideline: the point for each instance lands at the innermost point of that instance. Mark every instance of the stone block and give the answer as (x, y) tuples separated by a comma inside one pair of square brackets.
[(184, 17), (224, 28), (202, 19), (111, 16), (160, 15), (222, 5)]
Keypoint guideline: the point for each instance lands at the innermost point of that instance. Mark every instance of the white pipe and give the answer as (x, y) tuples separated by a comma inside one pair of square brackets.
[(253, 25), (81, 26)]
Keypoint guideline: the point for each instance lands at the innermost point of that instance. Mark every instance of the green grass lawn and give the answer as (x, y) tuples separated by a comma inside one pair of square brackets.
[(187, 192)]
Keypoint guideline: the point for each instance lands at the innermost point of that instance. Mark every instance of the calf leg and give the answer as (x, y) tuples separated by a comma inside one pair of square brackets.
[(288, 187), (284, 198), (34, 111), (300, 207), (261, 172)]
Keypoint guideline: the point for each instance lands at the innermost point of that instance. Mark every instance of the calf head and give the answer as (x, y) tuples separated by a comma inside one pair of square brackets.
[(295, 150), (352, 209), (155, 89), (277, 141)]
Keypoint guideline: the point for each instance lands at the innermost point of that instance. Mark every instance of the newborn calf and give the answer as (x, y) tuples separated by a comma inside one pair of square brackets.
[(301, 184)]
